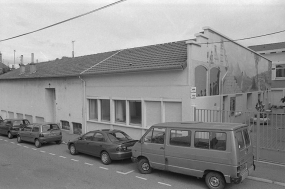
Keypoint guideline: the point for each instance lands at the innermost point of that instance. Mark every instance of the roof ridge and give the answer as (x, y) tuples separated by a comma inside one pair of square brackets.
[(100, 62)]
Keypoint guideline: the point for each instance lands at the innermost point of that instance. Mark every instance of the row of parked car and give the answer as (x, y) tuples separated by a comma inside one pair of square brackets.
[(221, 153)]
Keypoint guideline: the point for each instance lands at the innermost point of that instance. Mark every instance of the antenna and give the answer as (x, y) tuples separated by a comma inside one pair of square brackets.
[(73, 49)]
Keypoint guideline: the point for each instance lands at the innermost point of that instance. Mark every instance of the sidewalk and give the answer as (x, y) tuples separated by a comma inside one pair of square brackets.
[(264, 172)]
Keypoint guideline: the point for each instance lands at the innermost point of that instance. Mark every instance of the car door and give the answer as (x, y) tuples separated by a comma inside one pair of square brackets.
[(6, 127), (153, 147), (34, 133), (2, 126), (81, 145), (25, 133), (95, 146)]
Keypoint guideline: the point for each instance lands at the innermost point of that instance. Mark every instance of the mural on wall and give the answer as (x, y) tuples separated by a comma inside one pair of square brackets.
[(245, 71)]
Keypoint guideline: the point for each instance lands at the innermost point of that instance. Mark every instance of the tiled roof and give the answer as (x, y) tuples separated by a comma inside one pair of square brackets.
[(266, 47), (154, 57), (3, 65)]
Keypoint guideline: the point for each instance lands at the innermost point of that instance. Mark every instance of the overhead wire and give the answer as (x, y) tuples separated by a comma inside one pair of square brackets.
[(241, 39), (75, 17)]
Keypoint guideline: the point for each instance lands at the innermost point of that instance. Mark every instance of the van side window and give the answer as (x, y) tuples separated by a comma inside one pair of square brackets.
[(201, 140), (246, 137), (218, 141), (155, 135), (180, 138), (240, 140)]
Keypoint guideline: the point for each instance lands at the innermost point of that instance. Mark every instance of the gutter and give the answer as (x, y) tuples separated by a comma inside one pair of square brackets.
[(84, 104)]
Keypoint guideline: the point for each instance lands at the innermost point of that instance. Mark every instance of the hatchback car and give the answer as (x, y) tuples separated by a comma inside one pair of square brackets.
[(11, 127), (40, 133), (107, 144)]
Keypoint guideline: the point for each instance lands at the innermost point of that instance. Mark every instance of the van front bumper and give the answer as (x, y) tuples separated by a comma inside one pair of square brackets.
[(243, 175)]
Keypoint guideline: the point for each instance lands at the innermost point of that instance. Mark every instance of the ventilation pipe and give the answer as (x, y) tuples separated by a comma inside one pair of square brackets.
[(33, 68), (22, 66)]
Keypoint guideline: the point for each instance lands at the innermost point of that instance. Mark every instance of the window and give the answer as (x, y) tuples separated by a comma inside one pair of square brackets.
[(120, 111), (218, 141), (240, 140), (28, 128), (88, 136), (99, 137), (135, 112), (18, 122), (210, 140), (93, 109), (105, 110), (35, 129), (280, 70), (201, 80), (201, 140), (77, 128), (26, 122), (180, 138), (65, 125), (246, 137), (155, 135), (214, 81)]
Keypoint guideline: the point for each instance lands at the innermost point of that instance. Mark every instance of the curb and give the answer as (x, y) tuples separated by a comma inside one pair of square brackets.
[(266, 181)]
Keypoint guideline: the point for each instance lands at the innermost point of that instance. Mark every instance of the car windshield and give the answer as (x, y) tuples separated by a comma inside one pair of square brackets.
[(118, 136), (46, 128)]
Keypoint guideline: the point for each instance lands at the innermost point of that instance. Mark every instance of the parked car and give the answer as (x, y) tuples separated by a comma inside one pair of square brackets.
[(107, 144), (11, 127), (40, 133), (219, 152)]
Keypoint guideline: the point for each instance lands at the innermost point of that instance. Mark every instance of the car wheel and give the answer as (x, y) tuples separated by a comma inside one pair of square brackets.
[(144, 166), (72, 150), (19, 140), (10, 136), (105, 158), (215, 180), (38, 143), (58, 142)]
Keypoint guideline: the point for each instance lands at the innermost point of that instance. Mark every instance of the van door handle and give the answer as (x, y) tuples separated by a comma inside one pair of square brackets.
[(162, 148)]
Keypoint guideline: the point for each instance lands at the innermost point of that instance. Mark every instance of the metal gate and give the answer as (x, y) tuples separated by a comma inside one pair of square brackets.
[(267, 130)]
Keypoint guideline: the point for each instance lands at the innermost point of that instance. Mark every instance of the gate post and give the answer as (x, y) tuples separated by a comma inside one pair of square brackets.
[(258, 136)]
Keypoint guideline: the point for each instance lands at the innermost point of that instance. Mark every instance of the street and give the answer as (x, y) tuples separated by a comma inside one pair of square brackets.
[(51, 166)]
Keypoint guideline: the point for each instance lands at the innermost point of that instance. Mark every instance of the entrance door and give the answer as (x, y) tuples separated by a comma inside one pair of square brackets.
[(153, 147), (50, 104)]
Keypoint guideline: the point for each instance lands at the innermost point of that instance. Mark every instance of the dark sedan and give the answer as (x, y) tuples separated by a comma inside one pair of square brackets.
[(11, 127), (107, 144)]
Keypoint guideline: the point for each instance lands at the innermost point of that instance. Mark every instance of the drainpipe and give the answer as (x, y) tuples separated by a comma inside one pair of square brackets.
[(222, 81), (84, 104)]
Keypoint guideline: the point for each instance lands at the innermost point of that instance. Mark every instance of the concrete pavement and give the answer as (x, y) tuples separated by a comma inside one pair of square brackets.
[(264, 172)]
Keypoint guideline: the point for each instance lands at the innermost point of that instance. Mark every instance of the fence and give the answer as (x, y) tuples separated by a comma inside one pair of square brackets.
[(267, 130)]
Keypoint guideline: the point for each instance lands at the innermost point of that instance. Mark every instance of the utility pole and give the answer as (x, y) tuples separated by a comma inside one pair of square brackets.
[(73, 49), (14, 56)]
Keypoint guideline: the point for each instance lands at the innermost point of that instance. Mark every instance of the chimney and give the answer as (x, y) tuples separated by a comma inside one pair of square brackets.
[(33, 68), (22, 66)]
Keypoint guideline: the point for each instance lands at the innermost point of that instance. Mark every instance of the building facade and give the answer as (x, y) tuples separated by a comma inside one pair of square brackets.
[(132, 89)]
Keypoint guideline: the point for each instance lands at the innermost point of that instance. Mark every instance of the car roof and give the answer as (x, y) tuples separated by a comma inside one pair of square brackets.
[(202, 125), (15, 119), (43, 123)]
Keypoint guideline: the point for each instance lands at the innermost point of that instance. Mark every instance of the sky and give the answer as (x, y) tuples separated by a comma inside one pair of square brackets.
[(131, 23)]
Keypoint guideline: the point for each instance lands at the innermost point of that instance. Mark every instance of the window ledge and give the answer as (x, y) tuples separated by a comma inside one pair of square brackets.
[(119, 124)]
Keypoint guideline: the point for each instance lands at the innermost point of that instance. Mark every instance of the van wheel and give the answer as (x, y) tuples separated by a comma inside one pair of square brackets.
[(215, 180), (19, 140), (38, 143), (10, 136), (105, 158), (144, 166)]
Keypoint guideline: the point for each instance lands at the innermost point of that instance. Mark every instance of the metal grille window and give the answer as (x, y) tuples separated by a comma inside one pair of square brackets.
[(65, 125)]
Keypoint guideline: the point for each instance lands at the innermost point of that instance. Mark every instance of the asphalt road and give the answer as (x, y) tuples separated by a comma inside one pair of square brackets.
[(52, 167)]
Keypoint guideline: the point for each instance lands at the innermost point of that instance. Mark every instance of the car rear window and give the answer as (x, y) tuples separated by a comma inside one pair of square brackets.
[(118, 136), (50, 127)]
